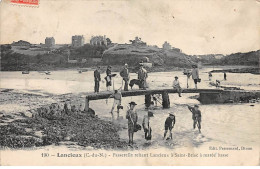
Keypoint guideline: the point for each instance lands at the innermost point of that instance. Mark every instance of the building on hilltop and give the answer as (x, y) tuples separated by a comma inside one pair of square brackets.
[(49, 42), (166, 46), (77, 41), (21, 43), (177, 49), (98, 40), (138, 41)]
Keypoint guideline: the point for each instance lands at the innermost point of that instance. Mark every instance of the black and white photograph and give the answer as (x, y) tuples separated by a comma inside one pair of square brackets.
[(129, 82)]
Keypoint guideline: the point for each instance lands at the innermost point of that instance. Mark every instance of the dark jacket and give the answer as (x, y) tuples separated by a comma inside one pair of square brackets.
[(108, 72), (97, 75), (125, 74), (169, 122), (142, 74)]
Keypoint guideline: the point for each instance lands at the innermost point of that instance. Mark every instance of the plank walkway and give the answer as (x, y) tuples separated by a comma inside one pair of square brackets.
[(147, 93)]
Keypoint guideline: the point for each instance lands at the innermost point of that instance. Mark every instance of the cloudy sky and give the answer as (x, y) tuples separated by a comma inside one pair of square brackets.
[(195, 26)]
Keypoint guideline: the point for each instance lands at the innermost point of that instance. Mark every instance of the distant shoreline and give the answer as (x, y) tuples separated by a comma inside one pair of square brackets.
[(117, 68), (252, 70)]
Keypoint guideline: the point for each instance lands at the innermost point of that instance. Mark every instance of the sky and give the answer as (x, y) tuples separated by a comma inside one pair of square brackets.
[(195, 26)]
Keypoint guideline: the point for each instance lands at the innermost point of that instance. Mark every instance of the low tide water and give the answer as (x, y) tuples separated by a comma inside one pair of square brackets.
[(226, 124)]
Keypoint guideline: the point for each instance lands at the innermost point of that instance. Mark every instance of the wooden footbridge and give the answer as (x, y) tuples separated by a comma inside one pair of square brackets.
[(148, 93)]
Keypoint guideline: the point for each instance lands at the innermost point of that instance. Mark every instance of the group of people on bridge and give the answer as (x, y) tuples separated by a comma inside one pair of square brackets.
[(131, 114), (141, 80), (124, 73)]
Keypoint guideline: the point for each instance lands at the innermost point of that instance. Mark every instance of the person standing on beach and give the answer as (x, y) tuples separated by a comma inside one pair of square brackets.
[(117, 102), (169, 125), (196, 116), (210, 76), (146, 125), (132, 117), (195, 75), (108, 78), (125, 75), (225, 76), (176, 85), (97, 79), (142, 76)]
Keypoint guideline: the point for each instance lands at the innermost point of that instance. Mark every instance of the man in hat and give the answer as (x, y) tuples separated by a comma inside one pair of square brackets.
[(195, 75), (97, 79), (142, 76), (125, 75), (176, 85), (168, 125), (146, 125), (196, 116), (132, 117)]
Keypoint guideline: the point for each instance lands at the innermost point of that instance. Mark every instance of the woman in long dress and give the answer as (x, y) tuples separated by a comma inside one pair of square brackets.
[(108, 78)]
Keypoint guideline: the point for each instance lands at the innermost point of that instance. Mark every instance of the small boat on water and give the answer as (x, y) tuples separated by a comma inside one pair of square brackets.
[(25, 72), (47, 73), (83, 70)]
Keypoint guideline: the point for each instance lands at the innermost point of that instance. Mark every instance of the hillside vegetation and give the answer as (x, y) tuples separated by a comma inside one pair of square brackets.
[(134, 54)]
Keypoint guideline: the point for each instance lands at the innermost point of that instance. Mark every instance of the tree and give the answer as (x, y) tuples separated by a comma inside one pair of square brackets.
[(108, 41)]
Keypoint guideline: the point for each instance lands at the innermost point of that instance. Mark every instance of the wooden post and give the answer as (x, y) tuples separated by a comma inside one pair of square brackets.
[(86, 104), (147, 100), (165, 100)]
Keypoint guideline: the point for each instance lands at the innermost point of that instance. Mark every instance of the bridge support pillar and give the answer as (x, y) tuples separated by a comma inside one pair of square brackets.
[(86, 104), (147, 100), (165, 100)]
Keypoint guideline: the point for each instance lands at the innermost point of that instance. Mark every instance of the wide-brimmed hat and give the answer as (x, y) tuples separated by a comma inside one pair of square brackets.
[(171, 114), (150, 113), (196, 105), (132, 103)]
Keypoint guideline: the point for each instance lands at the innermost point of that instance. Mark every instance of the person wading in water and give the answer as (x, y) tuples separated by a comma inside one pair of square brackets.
[(132, 117), (146, 126), (196, 116), (169, 125), (117, 102)]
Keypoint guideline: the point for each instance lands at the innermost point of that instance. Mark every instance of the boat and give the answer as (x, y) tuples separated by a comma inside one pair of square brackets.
[(83, 70), (25, 72), (47, 73)]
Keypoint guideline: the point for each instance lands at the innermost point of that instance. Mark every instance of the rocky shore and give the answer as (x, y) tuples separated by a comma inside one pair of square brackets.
[(51, 124)]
